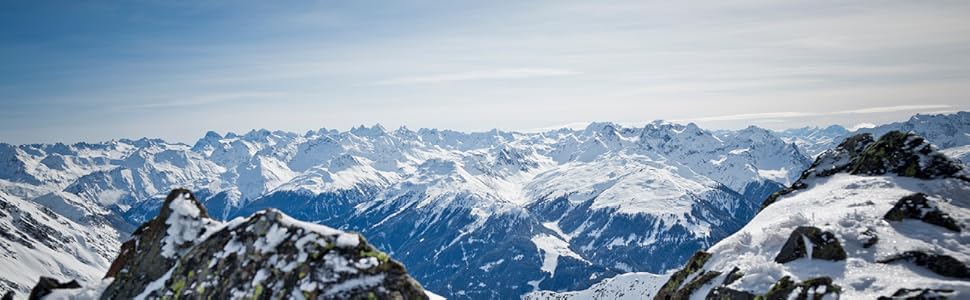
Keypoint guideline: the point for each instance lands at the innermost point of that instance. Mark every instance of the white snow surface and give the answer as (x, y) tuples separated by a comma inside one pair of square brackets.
[(552, 248), (629, 286), (848, 205), (67, 250)]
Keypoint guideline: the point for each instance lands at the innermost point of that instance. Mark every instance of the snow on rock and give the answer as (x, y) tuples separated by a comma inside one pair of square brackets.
[(629, 286), (883, 255), (265, 255)]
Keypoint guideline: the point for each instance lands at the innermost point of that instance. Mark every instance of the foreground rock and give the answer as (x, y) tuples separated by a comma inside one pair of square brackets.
[(827, 236), (808, 241), (182, 253)]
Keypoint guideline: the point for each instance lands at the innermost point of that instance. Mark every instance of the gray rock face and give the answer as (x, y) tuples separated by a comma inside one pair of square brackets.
[(920, 294), (269, 256), (141, 259), (940, 264), (182, 253), (824, 245), (917, 206), (47, 285)]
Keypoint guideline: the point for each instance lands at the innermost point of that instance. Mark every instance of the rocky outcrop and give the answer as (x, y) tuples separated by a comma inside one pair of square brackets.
[(919, 294), (903, 154), (937, 263), (182, 253), (673, 290), (143, 258), (47, 285), (918, 206), (817, 288), (824, 245)]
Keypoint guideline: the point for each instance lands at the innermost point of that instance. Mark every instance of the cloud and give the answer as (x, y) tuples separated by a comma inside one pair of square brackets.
[(480, 75), (789, 115), (199, 100)]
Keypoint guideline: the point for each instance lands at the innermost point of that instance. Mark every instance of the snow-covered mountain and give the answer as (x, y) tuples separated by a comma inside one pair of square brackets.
[(472, 215), (814, 140), (871, 218), (461, 210), (54, 235), (950, 132)]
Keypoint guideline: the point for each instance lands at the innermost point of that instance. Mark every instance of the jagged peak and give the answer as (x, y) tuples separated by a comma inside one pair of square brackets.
[(601, 127), (266, 249), (212, 135), (373, 131)]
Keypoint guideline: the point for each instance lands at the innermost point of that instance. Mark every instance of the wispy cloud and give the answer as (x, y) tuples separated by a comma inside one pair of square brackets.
[(200, 100), (518, 73), (791, 114)]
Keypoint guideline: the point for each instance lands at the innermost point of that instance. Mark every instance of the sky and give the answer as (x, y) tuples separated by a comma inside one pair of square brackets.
[(99, 70)]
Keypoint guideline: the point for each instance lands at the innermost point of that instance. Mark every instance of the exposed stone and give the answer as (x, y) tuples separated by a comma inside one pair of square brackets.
[(303, 262), (824, 245), (47, 285), (784, 288), (937, 263), (732, 276), (920, 294), (182, 253), (725, 293), (8, 295), (918, 206), (671, 290), (903, 154), (869, 238), (140, 260)]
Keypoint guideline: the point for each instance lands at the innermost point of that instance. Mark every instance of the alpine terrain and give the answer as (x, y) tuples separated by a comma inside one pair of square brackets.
[(873, 218), (470, 215)]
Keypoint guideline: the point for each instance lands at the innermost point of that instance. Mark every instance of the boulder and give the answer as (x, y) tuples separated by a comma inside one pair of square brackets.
[(918, 206), (920, 294), (869, 238), (824, 245), (937, 263), (47, 285), (819, 287)]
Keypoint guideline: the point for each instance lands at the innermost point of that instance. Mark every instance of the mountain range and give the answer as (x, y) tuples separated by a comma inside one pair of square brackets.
[(471, 215)]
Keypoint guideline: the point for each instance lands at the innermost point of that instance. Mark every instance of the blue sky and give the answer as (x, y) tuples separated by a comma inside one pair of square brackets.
[(91, 70)]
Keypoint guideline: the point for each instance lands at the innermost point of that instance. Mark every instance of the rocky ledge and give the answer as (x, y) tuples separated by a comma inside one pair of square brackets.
[(182, 253)]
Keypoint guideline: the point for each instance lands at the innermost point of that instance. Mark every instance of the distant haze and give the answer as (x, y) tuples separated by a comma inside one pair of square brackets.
[(97, 70)]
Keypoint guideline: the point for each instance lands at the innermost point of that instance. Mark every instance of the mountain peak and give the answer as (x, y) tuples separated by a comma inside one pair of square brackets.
[(268, 254)]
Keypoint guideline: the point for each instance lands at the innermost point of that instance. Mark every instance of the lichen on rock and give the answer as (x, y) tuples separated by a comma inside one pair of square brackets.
[(918, 206), (182, 253)]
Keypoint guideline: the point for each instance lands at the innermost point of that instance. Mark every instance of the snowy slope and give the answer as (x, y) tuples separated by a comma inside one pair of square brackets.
[(814, 140), (629, 286), (37, 241), (873, 237)]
